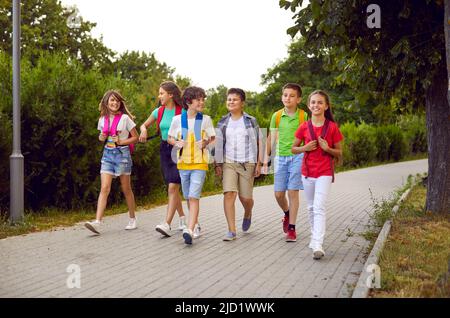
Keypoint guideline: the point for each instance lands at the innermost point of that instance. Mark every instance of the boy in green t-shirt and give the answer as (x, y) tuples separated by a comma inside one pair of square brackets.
[(287, 166)]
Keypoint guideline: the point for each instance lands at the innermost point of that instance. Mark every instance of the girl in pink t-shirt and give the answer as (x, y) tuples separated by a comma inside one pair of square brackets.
[(322, 144)]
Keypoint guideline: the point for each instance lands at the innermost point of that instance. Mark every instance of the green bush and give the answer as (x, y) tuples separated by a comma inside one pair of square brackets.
[(415, 130), (359, 144), (398, 147)]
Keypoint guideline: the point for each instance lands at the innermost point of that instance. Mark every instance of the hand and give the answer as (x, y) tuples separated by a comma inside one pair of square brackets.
[(202, 143), (265, 168), (323, 144), (179, 144), (218, 170), (116, 139), (143, 135), (257, 171), (310, 146), (102, 137)]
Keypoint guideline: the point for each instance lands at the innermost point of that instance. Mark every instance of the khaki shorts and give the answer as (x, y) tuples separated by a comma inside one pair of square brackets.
[(238, 179)]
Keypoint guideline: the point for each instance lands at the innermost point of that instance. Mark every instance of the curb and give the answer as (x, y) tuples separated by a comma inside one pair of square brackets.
[(371, 269)]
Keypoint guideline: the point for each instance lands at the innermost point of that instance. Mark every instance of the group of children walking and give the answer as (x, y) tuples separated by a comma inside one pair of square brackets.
[(301, 153)]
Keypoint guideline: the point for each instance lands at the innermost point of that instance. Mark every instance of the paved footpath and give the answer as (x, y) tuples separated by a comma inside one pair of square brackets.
[(260, 263)]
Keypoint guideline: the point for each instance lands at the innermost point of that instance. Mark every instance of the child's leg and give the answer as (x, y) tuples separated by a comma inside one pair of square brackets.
[(281, 200), (309, 185), (125, 182), (294, 203), (194, 205), (106, 180), (322, 188), (246, 180), (230, 183), (180, 206), (294, 185), (229, 199), (197, 178), (174, 201), (281, 179)]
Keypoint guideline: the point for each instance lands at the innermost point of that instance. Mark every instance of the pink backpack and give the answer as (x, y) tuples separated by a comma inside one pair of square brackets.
[(113, 131)]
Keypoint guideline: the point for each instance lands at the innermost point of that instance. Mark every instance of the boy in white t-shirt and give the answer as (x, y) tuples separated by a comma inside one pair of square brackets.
[(238, 158), (190, 133)]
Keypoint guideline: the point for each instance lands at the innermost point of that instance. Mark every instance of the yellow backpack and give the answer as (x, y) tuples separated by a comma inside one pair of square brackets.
[(301, 117)]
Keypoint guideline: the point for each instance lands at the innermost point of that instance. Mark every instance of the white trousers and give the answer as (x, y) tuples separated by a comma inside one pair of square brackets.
[(316, 192)]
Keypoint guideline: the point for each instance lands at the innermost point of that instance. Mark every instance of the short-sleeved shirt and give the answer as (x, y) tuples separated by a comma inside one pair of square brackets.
[(286, 132), (237, 147), (124, 126), (166, 120), (192, 158), (316, 163)]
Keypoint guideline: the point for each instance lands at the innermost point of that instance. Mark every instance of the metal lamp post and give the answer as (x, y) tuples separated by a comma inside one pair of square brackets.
[(16, 159)]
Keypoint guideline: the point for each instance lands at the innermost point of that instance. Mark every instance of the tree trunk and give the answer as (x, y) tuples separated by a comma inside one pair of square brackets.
[(447, 43), (438, 126)]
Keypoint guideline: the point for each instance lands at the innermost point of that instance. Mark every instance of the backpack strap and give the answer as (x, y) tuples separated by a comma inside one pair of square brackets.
[(301, 116), (113, 131), (313, 136), (278, 115), (158, 120), (178, 110), (184, 126), (197, 126)]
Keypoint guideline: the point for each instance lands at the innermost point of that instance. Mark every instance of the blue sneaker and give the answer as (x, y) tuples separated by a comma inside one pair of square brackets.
[(230, 236), (246, 224), (187, 235)]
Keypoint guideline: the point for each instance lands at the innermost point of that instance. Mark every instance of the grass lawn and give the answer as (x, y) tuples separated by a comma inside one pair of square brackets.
[(415, 259)]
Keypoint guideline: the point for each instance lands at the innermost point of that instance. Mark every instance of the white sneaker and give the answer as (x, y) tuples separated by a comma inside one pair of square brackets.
[(93, 226), (318, 253), (132, 224), (197, 230), (164, 229), (183, 225)]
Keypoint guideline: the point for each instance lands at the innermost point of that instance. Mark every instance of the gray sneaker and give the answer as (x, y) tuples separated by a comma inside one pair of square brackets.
[(93, 226), (318, 253), (230, 236), (164, 229), (197, 230)]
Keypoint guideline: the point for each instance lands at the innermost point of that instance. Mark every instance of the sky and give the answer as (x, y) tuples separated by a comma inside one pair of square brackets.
[(213, 42)]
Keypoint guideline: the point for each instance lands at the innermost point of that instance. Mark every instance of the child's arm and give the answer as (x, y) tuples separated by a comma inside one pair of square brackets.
[(143, 136), (102, 137), (131, 140), (266, 154), (336, 151), (310, 146), (176, 143)]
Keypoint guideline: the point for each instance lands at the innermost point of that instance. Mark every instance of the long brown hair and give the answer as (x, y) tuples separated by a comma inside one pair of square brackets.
[(103, 106), (172, 89), (328, 113)]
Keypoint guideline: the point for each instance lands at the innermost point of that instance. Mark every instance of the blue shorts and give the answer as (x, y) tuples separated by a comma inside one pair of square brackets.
[(192, 183), (116, 161), (287, 173)]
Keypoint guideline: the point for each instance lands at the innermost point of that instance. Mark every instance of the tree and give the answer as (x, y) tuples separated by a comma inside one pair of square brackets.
[(311, 72), (402, 63), (46, 27)]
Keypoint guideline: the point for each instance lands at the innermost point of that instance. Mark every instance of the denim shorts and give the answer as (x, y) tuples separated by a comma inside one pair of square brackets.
[(287, 173), (192, 183), (116, 161)]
